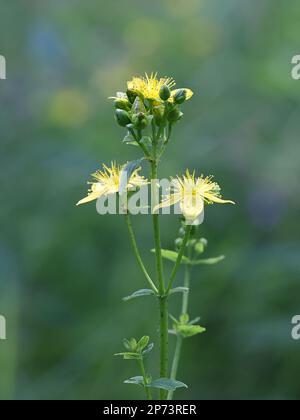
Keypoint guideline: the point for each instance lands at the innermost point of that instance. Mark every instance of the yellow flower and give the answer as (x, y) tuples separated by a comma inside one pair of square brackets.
[(107, 182), (191, 193), (149, 87)]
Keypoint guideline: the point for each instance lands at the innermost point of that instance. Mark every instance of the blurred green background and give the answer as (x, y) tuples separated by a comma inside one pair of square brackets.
[(64, 270)]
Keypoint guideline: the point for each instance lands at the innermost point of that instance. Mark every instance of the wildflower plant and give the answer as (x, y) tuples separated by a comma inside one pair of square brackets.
[(148, 111)]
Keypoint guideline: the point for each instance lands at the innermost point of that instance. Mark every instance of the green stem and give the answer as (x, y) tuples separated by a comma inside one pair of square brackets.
[(138, 140), (147, 390), (163, 300), (137, 254), (165, 143), (179, 338), (179, 257)]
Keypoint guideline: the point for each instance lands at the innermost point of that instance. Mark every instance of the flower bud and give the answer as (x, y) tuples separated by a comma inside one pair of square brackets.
[(131, 95), (122, 117), (140, 120), (201, 245), (180, 96), (164, 93), (174, 115), (182, 231), (122, 103), (178, 243)]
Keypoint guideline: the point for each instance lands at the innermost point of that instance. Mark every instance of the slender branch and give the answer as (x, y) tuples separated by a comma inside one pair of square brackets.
[(166, 141), (147, 390), (137, 254), (179, 338), (138, 140), (179, 257)]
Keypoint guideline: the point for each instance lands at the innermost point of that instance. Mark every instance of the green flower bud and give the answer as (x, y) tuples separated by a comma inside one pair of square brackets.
[(122, 117), (178, 243), (140, 120), (164, 93), (122, 103), (201, 245), (182, 231), (180, 96), (131, 95), (174, 115), (184, 319), (204, 241)]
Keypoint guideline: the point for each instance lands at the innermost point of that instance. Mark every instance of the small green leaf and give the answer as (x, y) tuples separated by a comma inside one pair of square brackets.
[(172, 256), (193, 321), (137, 380), (146, 141), (147, 349), (138, 105), (139, 293), (129, 355), (179, 290), (129, 139), (133, 344), (127, 344), (126, 173), (208, 261), (167, 384), (142, 343), (188, 330)]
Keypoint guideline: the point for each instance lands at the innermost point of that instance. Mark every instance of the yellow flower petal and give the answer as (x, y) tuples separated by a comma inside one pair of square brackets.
[(108, 181), (167, 202), (189, 93), (215, 199), (92, 196)]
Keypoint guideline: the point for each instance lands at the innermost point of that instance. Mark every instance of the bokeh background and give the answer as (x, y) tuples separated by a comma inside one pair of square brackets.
[(64, 270)]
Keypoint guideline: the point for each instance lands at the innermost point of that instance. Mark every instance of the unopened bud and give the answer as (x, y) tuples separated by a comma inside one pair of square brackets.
[(178, 243), (164, 93), (122, 117), (174, 115), (140, 120), (122, 103), (180, 96)]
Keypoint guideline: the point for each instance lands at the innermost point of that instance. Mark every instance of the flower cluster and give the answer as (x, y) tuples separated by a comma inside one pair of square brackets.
[(152, 103), (148, 98)]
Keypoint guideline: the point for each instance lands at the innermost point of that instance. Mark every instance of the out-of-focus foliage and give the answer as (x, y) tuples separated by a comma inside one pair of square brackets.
[(64, 270)]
